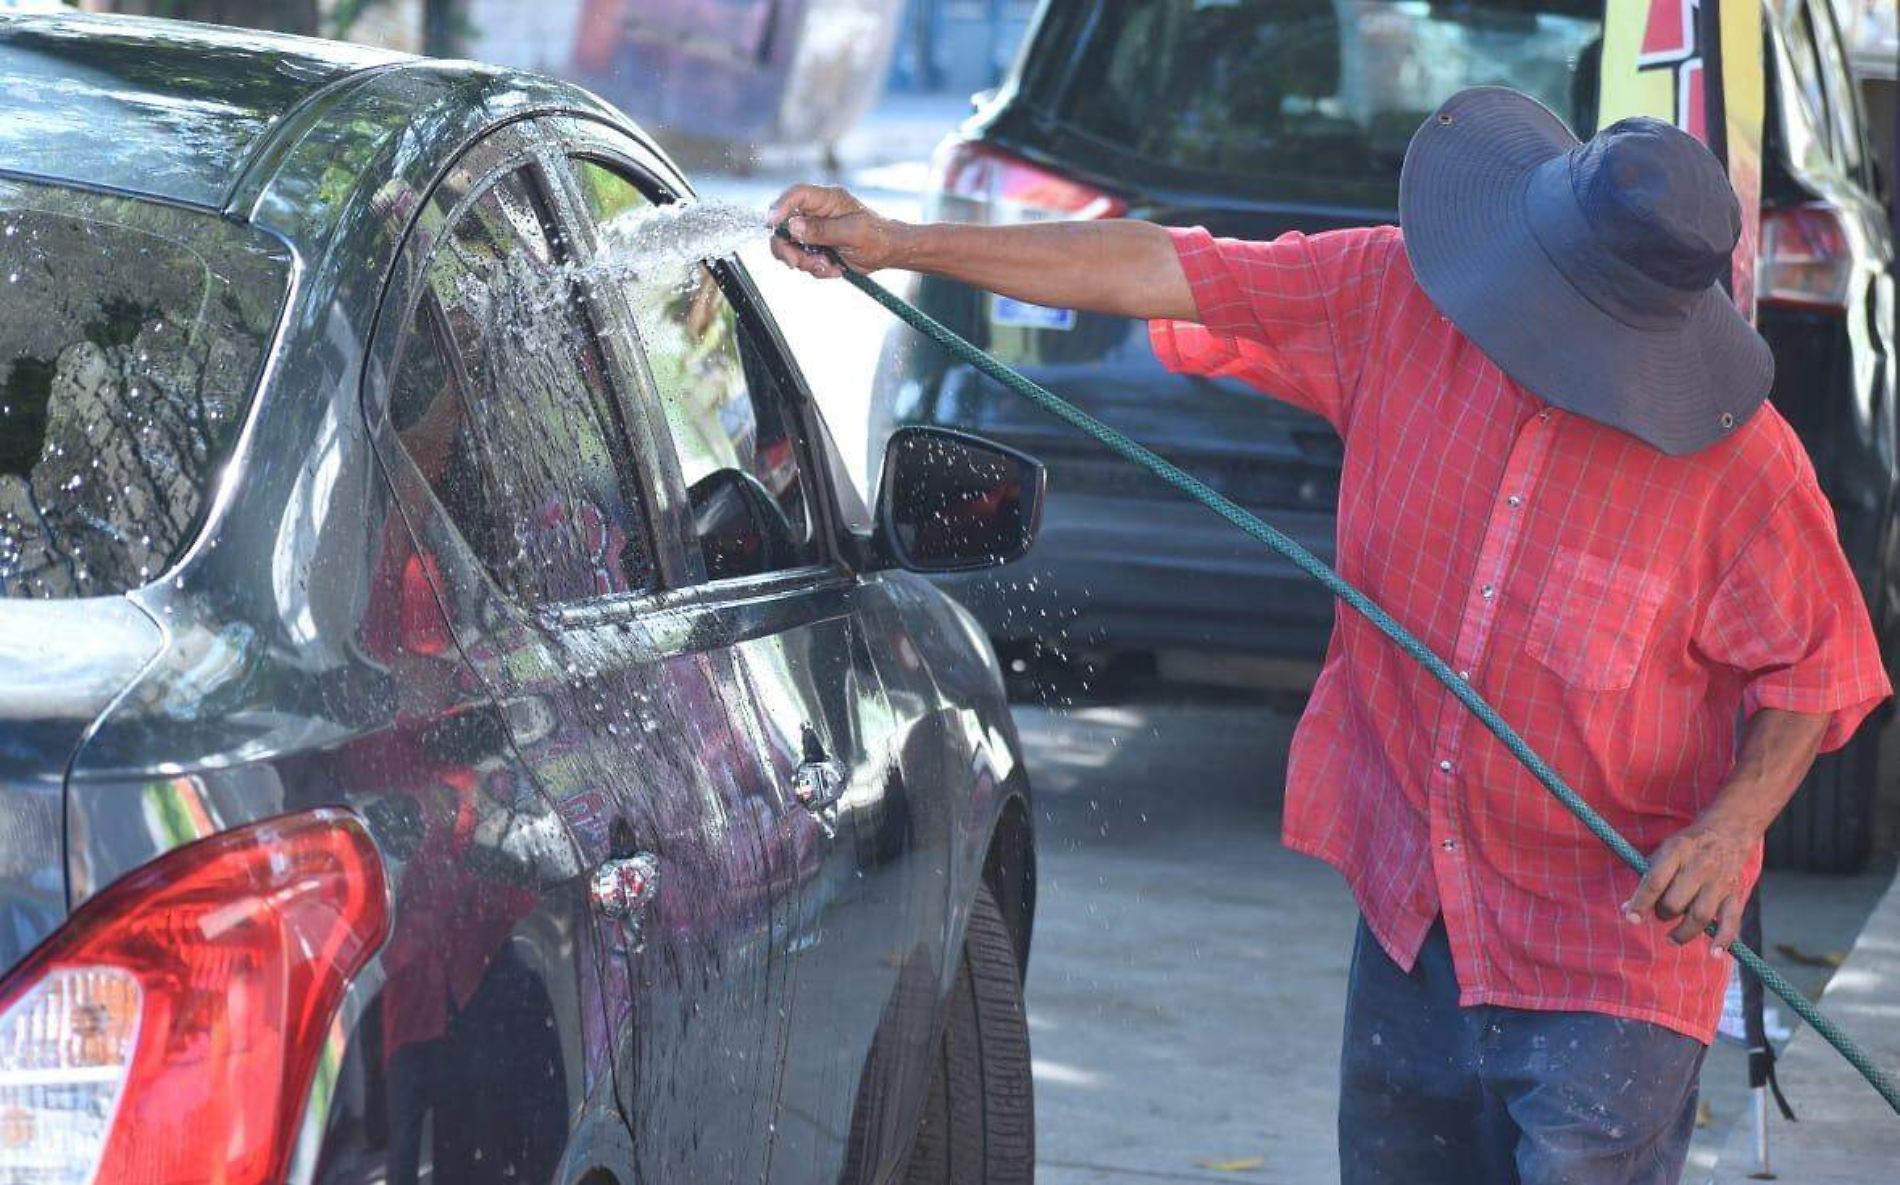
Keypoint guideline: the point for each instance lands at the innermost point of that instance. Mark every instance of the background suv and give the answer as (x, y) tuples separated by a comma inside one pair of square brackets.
[(1257, 118)]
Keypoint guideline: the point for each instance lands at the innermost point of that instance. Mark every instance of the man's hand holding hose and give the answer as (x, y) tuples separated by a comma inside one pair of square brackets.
[(1125, 268)]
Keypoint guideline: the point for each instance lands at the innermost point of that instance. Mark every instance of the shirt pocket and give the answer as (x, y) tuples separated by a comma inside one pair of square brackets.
[(1593, 620)]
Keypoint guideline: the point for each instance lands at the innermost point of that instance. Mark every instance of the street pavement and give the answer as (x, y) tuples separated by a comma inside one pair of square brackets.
[(1185, 983)]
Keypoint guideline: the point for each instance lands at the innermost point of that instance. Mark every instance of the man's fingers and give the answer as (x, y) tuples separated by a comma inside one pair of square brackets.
[(812, 263), (1679, 898), (1728, 925), (820, 201), (841, 231), (787, 253), (1662, 870), (1696, 913), (798, 197)]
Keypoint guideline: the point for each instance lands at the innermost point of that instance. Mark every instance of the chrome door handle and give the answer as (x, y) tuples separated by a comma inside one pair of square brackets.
[(622, 889), (818, 783)]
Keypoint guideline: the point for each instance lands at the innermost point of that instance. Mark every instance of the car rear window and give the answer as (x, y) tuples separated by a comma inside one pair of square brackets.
[(1320, 94), (131, 335)]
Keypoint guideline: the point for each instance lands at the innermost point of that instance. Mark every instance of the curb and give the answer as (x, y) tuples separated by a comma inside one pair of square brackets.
[(1846, 1134)]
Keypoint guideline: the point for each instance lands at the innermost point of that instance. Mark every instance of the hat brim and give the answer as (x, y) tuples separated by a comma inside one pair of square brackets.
[(1464, 215)]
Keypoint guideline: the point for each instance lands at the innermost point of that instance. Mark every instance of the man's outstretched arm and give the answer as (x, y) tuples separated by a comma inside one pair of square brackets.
[(1121, 267)]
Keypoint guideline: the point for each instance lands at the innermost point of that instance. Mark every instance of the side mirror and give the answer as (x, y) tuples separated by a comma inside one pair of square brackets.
[(742, 530), (950, 502)]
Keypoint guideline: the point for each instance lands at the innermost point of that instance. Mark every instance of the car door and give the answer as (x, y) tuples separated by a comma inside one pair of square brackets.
[(538, 493), (862, 922)]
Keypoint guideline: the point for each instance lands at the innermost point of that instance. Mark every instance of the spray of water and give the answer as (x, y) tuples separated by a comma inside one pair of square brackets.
[(660, 244), (650, 256)]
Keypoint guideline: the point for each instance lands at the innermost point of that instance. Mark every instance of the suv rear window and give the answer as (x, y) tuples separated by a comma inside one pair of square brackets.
[(131, 335), (1319, 94)]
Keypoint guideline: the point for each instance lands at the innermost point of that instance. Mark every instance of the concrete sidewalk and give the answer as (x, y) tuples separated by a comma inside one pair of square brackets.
[(1846, 1135)]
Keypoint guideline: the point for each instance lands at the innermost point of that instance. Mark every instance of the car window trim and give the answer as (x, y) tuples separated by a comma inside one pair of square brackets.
[(739, 291), (528, 159), (509, 148), (750, 306), (636, 388)]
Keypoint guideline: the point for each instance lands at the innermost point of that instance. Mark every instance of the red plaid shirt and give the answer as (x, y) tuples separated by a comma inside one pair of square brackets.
[(1622, 608)]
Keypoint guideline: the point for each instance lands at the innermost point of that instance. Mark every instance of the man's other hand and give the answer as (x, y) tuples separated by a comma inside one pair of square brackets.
[(1696, 878), (826, 216)]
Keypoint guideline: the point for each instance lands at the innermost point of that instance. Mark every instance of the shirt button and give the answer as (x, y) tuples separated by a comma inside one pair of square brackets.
[(1465, 675), (1445, 766), (1514, 500), (1487, 592), (1450, 845)]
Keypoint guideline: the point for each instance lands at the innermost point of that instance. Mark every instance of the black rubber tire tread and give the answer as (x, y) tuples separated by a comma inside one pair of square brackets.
[(1829, 824), (979, 1123)]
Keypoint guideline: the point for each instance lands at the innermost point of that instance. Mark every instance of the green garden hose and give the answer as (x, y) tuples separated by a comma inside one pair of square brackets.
[(1313, 566)]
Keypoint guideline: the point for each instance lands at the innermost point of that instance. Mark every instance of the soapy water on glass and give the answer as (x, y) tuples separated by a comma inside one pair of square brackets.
[(645, 251), (649, 254)]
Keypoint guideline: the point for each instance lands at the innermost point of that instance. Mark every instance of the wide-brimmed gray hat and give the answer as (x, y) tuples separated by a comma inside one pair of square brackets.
[(1589, 272)]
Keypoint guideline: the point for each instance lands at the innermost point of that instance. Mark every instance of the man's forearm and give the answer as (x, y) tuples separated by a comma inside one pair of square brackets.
[(1117, 266), (1777, 750), (1126, 268)]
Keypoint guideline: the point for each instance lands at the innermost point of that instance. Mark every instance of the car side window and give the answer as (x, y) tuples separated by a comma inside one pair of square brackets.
[(736, 434), (503, 403)]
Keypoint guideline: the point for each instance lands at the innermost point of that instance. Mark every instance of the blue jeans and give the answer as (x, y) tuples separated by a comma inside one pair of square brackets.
[(1434, 1093)]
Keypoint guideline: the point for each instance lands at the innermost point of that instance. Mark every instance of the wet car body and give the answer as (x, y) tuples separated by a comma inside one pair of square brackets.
[(624, 942), (1198, 132)]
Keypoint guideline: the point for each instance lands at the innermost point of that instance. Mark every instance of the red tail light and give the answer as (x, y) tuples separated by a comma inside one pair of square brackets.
[(169, 1032), (973, 182), (1806, 259)]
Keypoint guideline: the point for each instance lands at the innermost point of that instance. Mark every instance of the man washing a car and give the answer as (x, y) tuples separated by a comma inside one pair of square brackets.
[(1561, 474)]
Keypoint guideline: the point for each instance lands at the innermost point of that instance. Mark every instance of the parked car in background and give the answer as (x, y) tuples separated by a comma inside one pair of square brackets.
[(447, 732), (1261, 117)]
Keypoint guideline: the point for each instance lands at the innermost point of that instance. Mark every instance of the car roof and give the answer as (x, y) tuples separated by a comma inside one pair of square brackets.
[(168, 109)]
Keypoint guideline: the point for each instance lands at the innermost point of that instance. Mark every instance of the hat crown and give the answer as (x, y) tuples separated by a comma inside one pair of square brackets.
[(1658, 200)]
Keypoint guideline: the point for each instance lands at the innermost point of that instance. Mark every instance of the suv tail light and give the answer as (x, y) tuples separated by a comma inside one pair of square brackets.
[(973, 182), (169, 1031), (1806, 260)]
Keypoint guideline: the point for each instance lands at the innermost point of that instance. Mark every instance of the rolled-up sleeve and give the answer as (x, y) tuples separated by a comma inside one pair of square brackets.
[(1790, 617), (1292, 318)]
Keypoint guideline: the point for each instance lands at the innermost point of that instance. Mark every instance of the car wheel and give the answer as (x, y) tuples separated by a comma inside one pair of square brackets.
[(978, 1125), (1829, 824)]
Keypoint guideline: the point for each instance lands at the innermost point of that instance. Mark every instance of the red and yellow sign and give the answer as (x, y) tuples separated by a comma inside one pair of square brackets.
[(1698, 64)]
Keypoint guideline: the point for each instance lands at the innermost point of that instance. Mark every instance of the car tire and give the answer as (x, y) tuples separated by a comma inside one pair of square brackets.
[(978, 1126), (1829, 824)]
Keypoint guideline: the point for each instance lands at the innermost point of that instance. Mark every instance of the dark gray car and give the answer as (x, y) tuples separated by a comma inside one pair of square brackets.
[(455, 722)]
